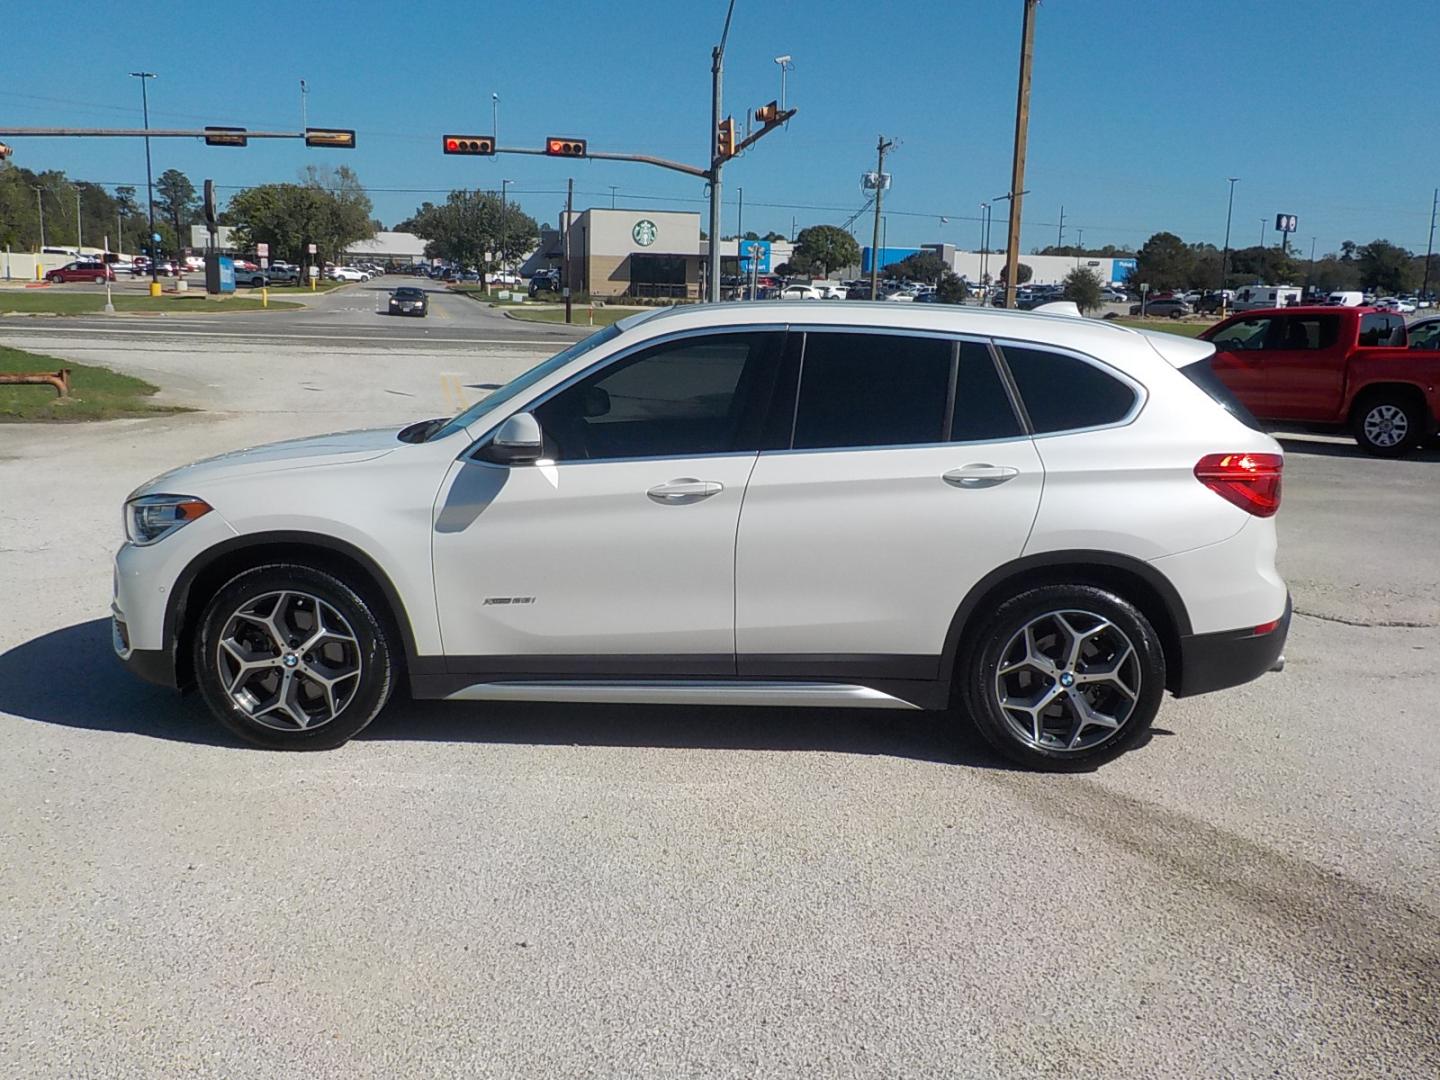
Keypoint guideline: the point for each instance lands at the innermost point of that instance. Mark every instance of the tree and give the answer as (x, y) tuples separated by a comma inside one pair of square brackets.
[(1386, 267), (827, 248), (924, 266), (467, 226), (328, 209), (951, 289), (1163, 262), (175, 202), (1082, 288), (1022, 275), (772, 236)]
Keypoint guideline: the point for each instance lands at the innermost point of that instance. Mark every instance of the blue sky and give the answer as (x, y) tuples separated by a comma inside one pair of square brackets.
[(1140, 108)]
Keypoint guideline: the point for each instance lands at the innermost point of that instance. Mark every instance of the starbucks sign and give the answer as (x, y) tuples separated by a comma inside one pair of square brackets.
[(644, 232)]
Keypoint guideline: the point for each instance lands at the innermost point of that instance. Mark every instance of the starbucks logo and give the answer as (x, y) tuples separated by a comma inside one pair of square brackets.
[(644, 232)]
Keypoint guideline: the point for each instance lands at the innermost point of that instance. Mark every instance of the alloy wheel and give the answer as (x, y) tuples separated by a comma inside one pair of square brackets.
[(289, 660), (1386, 426), (1067, 681)]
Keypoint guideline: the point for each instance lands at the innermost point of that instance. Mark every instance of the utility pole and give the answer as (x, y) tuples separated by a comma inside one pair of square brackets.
[(881, 146), (565, 236), (717, 78), (79, 239), (1225, 258), (503, 236), (40, 205), (1262, 232), (1022, 134), (1060, 235), (145, 77), (1080, 242), (740, 221), (1430, 244), (612, 195)]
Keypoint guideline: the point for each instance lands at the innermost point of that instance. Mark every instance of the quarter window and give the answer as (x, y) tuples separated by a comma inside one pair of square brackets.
[(872, 390), (1064, 393), (982, 407), (699, 395)]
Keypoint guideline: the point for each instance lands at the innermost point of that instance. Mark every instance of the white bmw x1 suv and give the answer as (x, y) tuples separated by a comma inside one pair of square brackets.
[(1038, 522)]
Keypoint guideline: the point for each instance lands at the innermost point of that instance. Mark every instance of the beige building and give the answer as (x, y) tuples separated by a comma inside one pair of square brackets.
[(633, 252)]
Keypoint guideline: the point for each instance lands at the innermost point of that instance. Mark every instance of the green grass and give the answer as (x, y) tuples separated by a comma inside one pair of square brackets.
[(96, 393), (603, 316), (57, 303), (1168, 326)]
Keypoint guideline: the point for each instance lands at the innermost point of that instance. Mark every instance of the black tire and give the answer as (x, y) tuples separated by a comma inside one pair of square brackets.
[(978, 694), (1372, 406), (372, 646)]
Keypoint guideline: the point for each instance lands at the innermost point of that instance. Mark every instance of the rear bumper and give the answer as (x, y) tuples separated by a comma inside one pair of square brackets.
[(1218, 661)]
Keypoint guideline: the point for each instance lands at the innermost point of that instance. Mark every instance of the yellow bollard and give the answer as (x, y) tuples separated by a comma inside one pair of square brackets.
[(154, 288), (312, 283), (39, 274), (264, 297)]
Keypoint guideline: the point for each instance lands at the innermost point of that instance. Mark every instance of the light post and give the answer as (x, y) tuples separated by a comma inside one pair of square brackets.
[(79, 238), (984, 248), (786, 64), (145, 77), (495, 116), (1225, 257), (40, 205), (504, 184)]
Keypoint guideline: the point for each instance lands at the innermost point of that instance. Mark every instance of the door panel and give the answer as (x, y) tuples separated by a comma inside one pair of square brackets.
[(869, 553), (581, 560)]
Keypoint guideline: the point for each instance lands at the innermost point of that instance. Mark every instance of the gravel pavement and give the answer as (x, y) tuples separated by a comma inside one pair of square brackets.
[(543, 890)]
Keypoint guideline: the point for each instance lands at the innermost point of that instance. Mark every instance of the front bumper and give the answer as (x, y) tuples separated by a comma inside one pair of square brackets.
[(1218, 661)]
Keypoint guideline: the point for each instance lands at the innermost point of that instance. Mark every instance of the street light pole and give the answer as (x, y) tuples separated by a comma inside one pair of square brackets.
[(1430, 244), (145, 77), (1225, 258), (40, 205), (79, 237), (495, 117), (504, 184), (717, 78)]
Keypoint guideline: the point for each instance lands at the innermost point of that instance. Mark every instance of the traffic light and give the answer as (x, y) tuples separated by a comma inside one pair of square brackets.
[(469, 144), (336, 138), (768, 114), (565, 147), (5, 151), (725, 139), (225, 136)]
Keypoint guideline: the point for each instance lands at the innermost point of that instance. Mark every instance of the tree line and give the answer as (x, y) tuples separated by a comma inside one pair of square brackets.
[(77, 212)]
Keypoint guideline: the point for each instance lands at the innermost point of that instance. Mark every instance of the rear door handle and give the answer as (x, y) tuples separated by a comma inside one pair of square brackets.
[(980, 475), (684, 490)]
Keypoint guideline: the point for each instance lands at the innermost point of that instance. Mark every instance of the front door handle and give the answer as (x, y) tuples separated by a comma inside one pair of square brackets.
[(684, 490), (980, 475)]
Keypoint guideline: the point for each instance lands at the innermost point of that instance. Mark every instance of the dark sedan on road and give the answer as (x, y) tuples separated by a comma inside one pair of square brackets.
[(408, 301)]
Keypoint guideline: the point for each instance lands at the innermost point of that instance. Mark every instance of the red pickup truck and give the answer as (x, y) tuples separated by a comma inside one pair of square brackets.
[(1343, 366)]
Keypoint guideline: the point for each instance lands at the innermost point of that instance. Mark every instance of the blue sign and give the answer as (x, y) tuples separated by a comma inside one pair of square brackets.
[(155, 236), (227, 274), (1121, 269), (888, 255), (755, 254)]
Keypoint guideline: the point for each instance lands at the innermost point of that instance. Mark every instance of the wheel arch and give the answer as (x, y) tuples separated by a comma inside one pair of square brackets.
[(1138, 582), (1398, 388), (208, 572)]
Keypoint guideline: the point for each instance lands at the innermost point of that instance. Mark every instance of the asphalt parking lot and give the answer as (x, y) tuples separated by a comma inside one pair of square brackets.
[(581, 890)]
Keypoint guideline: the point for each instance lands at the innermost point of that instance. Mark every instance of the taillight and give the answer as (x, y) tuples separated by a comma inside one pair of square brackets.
[(1250, 481)]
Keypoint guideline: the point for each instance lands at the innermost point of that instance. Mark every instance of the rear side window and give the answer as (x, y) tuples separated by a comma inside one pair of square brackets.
[(1203, 376), (1378, 328), (1304, 332), (872, 390), (1064, 393)]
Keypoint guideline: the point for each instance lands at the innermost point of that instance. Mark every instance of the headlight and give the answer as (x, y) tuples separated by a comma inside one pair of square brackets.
[(154, 517)]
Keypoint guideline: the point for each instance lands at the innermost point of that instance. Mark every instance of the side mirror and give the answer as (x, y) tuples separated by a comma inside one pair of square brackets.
[(517, 442)]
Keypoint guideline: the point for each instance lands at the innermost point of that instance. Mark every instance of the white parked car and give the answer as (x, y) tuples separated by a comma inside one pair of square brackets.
[(347, 273), (194, 264), (800, 292), (1397, 304), (1039, 522)]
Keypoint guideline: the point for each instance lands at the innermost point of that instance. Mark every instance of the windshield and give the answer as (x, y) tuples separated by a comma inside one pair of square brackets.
[(521, 383)]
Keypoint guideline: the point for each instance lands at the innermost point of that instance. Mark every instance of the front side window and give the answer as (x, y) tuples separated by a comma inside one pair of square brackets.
[(697, 395), (1242, 335), (1064, 393)]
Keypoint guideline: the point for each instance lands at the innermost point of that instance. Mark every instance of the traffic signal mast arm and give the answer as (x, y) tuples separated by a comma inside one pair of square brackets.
[(600, 155), (771, 117)]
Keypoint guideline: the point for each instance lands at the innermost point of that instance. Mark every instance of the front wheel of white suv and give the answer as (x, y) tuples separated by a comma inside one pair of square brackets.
[(1063, 677), (292, 658)]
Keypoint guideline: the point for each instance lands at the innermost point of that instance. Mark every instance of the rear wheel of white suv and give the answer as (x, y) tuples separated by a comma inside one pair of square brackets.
[(1063, 676), (292, 658)]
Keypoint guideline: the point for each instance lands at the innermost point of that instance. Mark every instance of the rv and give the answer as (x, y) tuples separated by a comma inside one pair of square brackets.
[(1254, 297)]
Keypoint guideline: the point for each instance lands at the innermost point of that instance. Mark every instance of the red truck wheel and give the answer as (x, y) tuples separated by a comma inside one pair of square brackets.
[(1388, 425)]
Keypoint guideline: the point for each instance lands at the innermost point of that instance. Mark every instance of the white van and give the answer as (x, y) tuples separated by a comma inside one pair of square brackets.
[(1345, 299), (1254, 297)]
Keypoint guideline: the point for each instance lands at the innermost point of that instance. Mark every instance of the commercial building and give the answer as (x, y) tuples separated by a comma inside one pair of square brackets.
[(384, 247), (973, 265), (646, 253)]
